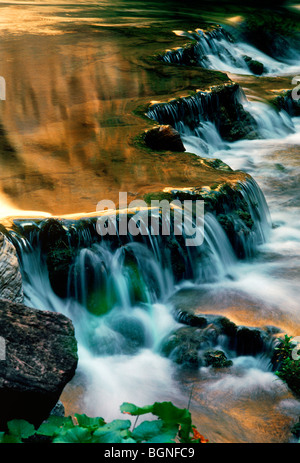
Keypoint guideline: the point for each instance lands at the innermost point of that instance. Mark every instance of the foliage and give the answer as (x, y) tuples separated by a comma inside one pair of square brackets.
[(289, 368), (172, 425)]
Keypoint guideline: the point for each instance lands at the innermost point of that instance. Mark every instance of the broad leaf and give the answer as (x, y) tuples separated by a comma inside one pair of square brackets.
[(20, 428), (89, 422), (114, 432), (171, 414), (128, 440), (76, 435), (54, 425), (132, 409), (155, 431)]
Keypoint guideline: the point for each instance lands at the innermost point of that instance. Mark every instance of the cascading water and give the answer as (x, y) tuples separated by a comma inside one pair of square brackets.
[(196, 118), (122, 295), (217, 49), (118, 301)]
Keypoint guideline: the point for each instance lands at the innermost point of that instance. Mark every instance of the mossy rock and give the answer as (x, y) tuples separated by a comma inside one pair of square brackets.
[(182, 346), (256, 67), (217, 359), (286, 102), (59, 254)]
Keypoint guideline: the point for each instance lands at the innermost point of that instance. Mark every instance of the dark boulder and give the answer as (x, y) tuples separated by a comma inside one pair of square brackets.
[(256, 67), (39, 358), (183, 345), (164, 138)]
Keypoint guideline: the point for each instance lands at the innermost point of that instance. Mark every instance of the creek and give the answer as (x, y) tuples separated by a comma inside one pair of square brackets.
[(83, 77)]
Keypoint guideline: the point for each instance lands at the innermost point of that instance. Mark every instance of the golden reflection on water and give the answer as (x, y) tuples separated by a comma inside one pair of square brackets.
[(69, 116)]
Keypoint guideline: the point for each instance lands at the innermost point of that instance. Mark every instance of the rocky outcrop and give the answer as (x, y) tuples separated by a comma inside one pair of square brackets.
[(256, 67), (40, 359), (164, 137), (222, 106), (196, 343), (10, 275), (286, 101)]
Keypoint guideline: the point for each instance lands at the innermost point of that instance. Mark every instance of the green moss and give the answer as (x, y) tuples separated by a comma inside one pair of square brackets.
[(216, 359), (157, 196)]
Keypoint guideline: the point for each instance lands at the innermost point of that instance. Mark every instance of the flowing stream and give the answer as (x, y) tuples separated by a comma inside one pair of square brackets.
[(120, 356)]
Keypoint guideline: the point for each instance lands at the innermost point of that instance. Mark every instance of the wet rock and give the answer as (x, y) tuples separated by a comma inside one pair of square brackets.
[(286, 101), (40, 359), (222, 106), (249, 341), (183, 345), (233, 122), (58, 409), (214, 330), (10, 275), (190, 319), (255, 66), (59, 254), (216, 359), (164, 138)]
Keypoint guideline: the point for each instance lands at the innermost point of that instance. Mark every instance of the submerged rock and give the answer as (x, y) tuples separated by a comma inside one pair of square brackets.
[(39, 359), (164, 137), (10, 275)]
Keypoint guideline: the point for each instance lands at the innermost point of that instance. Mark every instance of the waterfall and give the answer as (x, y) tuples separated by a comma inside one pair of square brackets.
[(259, 210), (200, 119), (218, 49)]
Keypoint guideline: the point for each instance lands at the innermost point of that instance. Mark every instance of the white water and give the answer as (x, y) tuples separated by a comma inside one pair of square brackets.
[(119, 357), (274, 277), (217, 50)]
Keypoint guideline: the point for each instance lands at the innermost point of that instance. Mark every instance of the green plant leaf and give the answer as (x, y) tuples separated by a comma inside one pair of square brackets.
[(54, 425), (89, 422), (132, 409), (20, 428), (128, 440), (9, 439), (171, 414), (146, 430), (113, 432), (155, 431), (75, 435)]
